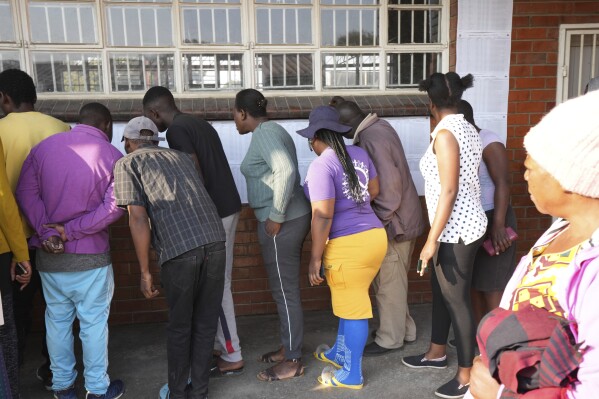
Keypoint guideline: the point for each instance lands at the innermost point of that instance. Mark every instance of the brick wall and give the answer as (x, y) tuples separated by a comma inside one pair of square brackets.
[(533, 81)]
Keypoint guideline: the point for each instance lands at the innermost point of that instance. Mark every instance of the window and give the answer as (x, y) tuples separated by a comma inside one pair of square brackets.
[(126, 46), (578, 58)]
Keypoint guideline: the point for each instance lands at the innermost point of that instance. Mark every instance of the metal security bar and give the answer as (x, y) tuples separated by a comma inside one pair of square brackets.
[(408, 69), (67, 72), (284, 71), (350, 70), (72, 23), (212, 71), (139, 72)]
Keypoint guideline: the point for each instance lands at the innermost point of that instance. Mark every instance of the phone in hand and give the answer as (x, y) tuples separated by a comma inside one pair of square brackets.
[(20, 270), (321, 273), (419, 267)]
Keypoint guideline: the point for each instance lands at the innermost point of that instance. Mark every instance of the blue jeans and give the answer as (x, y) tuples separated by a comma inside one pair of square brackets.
[(86, 295)]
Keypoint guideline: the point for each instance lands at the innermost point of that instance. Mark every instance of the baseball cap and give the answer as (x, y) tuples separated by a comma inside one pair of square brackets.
[(323, 117), (136, 125)]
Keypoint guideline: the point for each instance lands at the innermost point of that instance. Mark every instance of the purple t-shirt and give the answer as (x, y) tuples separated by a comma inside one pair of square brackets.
[(326, 180)]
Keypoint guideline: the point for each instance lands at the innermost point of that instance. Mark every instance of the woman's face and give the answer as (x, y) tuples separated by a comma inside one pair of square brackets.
[(239, 119), (545, 191)]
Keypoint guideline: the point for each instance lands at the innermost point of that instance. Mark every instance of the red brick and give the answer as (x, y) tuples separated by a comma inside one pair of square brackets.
[(529, 33), (544, 45), (530, 58), (518, 119), (530, 107), (519, 95), (520, 70), (542, 95), (545, 20), (519, 21), (521, 46)]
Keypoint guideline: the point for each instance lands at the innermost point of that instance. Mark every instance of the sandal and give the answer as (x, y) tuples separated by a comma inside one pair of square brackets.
[(215, 372), (334, 383), (320, 356), (269, 374), (272, 357)]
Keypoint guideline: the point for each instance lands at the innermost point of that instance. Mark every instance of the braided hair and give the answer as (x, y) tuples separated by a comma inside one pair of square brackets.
[(335, 142), (445, 90)]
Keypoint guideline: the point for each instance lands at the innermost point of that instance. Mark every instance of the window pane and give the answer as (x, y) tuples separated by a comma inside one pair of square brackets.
[(350, 70), (283, 26), (583, 64), (349, 2), (67, 72), (414, 26), (212, 1), (7, 31), (424, 2), (9, 60), (145, 26), (349, 27), (408, 69), (284, 1), (72, 23), (139, 1), (281, 71), (212, 25), (212, 71), (139, 72)]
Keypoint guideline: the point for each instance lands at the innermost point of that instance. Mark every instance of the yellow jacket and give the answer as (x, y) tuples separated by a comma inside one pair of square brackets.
[(12, 237)]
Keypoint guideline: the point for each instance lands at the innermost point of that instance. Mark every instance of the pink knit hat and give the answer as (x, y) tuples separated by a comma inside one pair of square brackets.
[(566, 144)]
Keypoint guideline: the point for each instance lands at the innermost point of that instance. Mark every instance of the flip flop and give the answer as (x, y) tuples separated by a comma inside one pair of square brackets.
[(269, 375), (320, 356), (334, 382)]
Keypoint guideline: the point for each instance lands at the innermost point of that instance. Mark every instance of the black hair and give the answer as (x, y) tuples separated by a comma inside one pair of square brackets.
[(335, 141), (18, 86), (157, 93), (445, 90), (349, 110), (252, 102), (465, 108), (94, 114)]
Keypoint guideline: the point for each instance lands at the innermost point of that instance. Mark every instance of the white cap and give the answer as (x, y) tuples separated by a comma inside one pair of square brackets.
[(136, 125)]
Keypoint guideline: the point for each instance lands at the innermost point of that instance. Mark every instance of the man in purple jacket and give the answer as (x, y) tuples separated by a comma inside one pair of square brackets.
[(66, 193)]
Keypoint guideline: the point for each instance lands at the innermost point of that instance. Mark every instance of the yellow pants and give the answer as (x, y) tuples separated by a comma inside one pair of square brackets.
[(351, 263)]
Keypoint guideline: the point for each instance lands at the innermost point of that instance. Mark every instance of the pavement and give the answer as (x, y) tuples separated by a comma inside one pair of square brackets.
[(137, 355)]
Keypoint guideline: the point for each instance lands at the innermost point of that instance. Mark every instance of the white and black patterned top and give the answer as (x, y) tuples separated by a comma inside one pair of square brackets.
[(467, 220), (166, 183)]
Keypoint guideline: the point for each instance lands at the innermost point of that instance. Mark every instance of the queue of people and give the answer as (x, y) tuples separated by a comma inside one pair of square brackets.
[(360, 206)]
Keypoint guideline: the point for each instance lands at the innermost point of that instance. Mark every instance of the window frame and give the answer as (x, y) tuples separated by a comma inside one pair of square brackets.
[(566, 31), (249, 48)]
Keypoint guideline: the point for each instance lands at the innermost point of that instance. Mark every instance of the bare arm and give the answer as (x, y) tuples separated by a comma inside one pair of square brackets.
[(447, 150), (373, 188), (322, 219), (140, 232), (495, 157)]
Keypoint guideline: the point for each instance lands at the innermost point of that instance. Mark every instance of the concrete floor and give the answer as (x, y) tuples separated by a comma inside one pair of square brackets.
[(138, 357)]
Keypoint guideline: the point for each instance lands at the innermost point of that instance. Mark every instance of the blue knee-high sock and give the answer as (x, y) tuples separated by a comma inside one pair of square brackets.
[(337, 352), (356, 334)]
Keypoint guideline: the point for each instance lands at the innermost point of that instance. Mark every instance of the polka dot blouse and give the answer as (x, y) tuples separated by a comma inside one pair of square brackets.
[(467, 220)]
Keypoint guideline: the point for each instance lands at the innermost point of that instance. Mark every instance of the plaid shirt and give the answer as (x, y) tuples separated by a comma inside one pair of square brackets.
[(166, 183)]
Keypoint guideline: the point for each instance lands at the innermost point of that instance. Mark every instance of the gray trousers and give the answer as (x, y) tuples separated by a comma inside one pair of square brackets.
[(282, 261)]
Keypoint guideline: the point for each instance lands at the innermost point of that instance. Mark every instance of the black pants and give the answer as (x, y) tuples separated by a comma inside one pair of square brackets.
[(193, 283), (8, 332), (23, 301), (451, 278)]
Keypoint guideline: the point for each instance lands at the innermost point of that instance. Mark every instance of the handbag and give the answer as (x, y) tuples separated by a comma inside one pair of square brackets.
[(488, 244)]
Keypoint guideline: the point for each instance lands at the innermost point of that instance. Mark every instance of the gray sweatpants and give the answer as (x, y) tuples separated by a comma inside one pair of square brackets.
[(282, 261)]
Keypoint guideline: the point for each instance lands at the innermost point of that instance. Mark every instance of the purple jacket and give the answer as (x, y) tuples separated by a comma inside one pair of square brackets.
[(67, 179)]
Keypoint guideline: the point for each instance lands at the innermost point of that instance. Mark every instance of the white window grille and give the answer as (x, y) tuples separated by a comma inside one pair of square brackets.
[(126, 46), (578, 59)]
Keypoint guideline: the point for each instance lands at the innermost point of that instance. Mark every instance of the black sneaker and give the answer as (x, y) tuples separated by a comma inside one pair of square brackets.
[(452, 390), (69, 393), (44, 374), (419, 361), (115, 390)]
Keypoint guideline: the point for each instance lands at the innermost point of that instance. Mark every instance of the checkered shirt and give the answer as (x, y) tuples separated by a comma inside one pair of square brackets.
[(166, 183)]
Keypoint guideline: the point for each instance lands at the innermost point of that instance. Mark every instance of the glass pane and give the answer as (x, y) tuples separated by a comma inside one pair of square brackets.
[(414, 26), (284, 26), (349, 2), (583, 64), (139, 72), (349, 27), (7, 31), (212, 1), (9, 60), (212, 71), (281, 71), (408, 69), (64, 23), (284, 1), (67, 72), (145, 26), (211, 25), (424, 2), (139, 1), (350, 70)]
